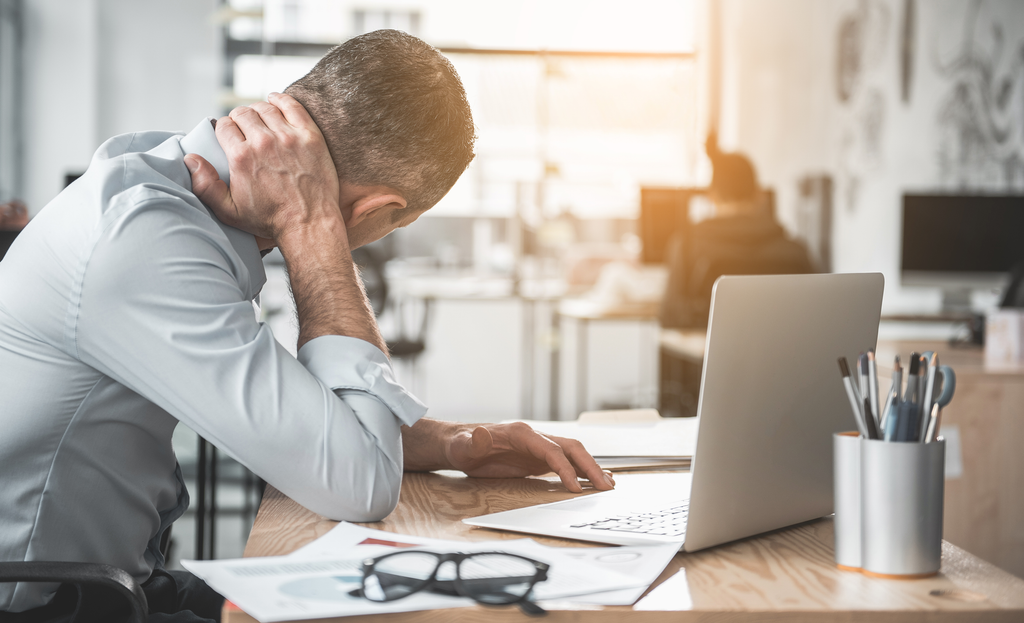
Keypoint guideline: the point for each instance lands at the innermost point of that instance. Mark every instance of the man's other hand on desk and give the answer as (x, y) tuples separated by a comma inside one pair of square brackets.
[(499, 451)]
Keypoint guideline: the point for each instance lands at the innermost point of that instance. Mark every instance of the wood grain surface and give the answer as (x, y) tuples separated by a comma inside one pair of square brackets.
[(786, 575)]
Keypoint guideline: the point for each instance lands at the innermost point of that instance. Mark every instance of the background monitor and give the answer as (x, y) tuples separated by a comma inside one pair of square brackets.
[(961, 243), (663, 211)]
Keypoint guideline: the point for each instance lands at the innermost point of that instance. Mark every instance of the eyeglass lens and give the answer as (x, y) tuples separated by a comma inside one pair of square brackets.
[(496, 579), (396, 576)]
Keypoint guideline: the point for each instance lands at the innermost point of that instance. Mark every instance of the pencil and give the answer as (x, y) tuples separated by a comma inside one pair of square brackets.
[(929, 388), (852, 394)]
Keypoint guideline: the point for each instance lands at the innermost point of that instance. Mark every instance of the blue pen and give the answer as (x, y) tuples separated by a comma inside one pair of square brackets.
[(906, 420), (892, 420)]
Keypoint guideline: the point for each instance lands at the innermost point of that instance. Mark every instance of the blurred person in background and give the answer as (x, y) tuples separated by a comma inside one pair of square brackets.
[(742, 237), (13, 215)]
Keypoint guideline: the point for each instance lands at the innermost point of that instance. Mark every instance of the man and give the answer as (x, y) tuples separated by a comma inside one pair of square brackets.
[(743, 237), (126, 307)]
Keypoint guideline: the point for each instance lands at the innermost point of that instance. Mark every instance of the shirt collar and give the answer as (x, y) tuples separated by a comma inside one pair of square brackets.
[(202, 141)]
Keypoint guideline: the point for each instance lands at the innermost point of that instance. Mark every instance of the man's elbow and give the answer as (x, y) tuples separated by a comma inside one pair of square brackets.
[(372, 500)]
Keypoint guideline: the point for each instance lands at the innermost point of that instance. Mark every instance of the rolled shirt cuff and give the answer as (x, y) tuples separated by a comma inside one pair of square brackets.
[(344, 363)]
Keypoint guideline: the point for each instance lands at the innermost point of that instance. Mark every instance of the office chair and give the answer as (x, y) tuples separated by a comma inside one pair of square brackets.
[(89, 592), (6, 240), (101, 592)]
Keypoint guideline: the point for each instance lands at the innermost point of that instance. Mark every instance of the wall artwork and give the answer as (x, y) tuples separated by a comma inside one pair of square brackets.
[(862, 39), (907, 41), (981, 115)]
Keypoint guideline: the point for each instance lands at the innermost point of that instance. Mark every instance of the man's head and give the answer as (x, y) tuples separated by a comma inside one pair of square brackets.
[(395, 116)]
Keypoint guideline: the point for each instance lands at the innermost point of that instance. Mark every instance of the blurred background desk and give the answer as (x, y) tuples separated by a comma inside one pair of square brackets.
[(583, 312), (787, 575), (984, 428)]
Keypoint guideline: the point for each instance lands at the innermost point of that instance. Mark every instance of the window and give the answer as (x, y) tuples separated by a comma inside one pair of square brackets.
[(577, 102)]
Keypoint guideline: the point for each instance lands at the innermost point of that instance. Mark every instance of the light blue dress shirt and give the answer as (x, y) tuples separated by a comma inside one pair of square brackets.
[(125, 308)]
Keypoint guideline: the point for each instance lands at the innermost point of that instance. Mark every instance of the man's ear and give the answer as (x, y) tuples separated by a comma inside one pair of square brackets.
[(370, 200)]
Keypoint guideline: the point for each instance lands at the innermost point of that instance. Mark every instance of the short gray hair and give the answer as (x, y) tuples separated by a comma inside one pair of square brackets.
[(393, 112)]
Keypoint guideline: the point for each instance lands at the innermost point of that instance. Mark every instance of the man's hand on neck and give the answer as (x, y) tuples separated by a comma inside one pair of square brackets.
[(285, 191)]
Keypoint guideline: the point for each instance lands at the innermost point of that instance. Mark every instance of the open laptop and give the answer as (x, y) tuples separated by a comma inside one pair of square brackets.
[(770, 398)]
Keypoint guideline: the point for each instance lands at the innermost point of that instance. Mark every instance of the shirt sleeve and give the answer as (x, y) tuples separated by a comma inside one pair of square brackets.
[(161, 311)]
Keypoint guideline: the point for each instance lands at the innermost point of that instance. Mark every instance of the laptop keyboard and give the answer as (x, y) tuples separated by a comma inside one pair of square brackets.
[(669, 522)]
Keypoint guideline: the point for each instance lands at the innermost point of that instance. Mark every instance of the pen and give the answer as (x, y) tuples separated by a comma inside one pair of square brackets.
[(869, 421), (894, 395), (929, 389), (862, 378), (851, 393), (906, 421), (873, 388), (892, 421), (932, 432), (922, 371), (910, 400), (885, 410), (897, 378)]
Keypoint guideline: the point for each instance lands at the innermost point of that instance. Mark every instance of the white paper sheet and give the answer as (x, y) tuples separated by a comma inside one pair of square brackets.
[(315, 580), (668, 437), (571, 577), (282, 588), (644, 563)]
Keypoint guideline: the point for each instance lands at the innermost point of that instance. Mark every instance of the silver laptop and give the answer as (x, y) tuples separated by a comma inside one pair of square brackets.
[(770, 398)]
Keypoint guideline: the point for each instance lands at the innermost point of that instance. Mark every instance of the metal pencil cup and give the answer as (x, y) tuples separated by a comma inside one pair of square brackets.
[(846, 472), (897, 487)]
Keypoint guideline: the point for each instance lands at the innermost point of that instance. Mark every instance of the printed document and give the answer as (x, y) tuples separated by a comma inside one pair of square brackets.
[(317, 580)]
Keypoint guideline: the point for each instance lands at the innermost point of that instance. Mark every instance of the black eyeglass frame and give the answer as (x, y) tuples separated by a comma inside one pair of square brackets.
[(540, 574)]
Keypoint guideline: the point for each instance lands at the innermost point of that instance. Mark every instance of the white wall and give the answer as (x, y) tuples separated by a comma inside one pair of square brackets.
[(96, 68), (781, 105)]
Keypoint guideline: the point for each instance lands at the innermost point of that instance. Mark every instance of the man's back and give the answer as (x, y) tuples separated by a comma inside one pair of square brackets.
[(125, 308), (736, 245), (80, 450)]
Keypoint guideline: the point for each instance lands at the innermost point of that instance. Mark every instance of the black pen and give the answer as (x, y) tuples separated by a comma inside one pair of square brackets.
[(869, 420), (923, 373), (911, 400), (873, 389)]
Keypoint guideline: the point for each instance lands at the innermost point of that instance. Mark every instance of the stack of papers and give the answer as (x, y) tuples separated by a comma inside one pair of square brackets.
[(629, 440), (316, 580)]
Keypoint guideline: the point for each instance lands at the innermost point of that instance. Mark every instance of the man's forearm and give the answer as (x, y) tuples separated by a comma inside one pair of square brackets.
[(325, 282), (424, 443)]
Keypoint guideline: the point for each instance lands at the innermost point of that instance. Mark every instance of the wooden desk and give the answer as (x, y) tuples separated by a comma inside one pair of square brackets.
[(786, 575), (984, 506)]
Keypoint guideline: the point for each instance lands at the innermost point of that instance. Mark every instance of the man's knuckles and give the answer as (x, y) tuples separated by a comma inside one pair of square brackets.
[(289, 141), (240, 159), (520, 428)]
